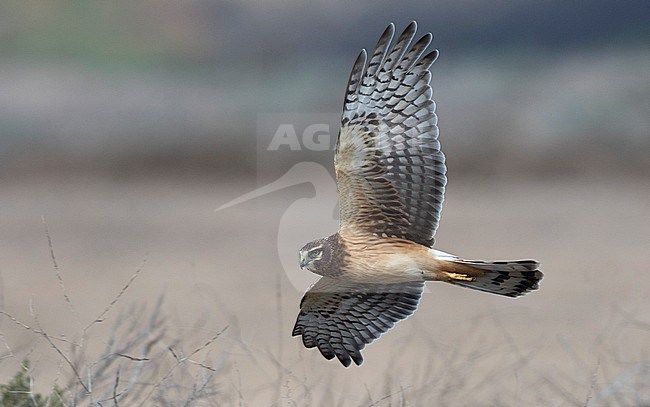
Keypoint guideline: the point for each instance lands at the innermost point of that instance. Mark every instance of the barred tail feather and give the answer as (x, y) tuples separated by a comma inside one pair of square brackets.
[(509, 278)]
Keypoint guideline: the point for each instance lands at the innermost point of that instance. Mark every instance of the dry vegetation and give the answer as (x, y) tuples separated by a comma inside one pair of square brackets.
[(140, 363), (121, 344)]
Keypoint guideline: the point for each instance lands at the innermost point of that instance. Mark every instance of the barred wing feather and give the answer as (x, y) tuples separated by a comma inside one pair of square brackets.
[(389, 167), (340, 317)]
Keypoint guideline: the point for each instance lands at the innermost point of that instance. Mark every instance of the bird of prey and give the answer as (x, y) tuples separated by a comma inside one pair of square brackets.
[(391, 178)]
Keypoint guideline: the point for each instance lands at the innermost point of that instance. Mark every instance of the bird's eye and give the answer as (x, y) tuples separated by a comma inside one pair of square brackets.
[(317, 253)]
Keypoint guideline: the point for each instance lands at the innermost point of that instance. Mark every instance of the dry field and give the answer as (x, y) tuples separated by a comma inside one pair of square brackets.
[(583, 339)]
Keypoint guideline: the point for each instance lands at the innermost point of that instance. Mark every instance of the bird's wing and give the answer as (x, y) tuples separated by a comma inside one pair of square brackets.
[(389, 168), (341, 318)]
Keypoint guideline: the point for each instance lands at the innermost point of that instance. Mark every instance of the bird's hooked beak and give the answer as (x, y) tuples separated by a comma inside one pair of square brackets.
[(303, 261)]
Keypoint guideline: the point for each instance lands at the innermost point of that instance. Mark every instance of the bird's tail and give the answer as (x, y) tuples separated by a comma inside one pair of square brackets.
[(510, 278)]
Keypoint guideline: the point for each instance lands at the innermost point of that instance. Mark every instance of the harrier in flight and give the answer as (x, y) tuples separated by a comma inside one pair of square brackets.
[(391, 181)]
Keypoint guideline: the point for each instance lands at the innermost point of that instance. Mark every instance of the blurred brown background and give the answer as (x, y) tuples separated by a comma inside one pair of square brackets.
[(125, 124)]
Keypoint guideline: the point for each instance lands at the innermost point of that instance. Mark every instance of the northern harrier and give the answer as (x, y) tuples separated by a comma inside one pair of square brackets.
[(391, 181)]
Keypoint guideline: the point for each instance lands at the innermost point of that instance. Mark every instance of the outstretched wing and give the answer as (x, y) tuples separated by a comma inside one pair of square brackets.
[(389, 167), (341, 318)]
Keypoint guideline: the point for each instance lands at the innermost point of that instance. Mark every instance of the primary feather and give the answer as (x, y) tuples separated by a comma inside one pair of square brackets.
[(390, 170)]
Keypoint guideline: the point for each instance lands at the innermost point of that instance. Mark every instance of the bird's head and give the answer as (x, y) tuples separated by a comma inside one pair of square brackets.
[(314, 255)]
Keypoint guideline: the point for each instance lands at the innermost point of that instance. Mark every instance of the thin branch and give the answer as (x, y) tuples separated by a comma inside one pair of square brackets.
[(133, 358), (56, 348), (174, 354), (238, 387), (36, 331), (180, 360), (388, 396), (100, 318), (117, 383), (202, 365), (58, 273), (592, 386), (208, 343)]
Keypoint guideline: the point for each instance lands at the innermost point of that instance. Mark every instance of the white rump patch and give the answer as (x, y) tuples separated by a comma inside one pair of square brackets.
[(440, 255)]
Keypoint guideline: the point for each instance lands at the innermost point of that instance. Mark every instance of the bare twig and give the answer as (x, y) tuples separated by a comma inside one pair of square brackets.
[(100, 318), (56, 348), (36, 331), (238, 387), (133, 358), (388, 396), (590, 393), (58, 273), (117, 383), (180, 360), (202, 365)]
